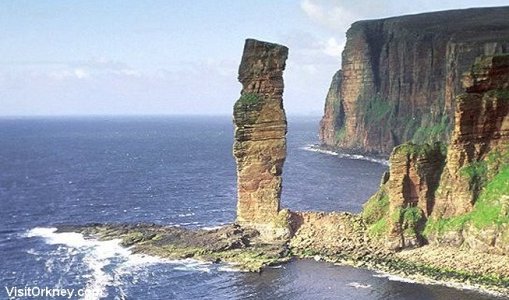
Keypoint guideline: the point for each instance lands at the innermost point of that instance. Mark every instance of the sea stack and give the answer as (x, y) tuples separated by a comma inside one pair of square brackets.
[(260, 135)]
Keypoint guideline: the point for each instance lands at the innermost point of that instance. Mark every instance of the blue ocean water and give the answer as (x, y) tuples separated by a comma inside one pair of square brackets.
[(166, 170)]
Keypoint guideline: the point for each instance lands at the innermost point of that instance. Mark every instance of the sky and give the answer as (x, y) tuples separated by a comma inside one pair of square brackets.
[(172, 57)]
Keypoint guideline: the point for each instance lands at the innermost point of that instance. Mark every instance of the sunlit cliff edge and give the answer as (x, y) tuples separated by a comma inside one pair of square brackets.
[(400, 76)]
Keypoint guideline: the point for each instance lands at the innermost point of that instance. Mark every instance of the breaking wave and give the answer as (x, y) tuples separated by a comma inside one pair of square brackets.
[(106, 262), (316, 148)]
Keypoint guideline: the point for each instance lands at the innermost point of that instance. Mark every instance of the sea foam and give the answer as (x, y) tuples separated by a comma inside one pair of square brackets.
[(107, 262), (99, 256), (315, 148)]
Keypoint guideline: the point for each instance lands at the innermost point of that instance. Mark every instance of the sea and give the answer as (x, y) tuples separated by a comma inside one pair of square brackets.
[(171, 170)]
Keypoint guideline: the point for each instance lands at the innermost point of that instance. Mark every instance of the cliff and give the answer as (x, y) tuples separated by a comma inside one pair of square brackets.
[(260, 135), (458, 198), (399, 77), (415, 205), (334, 114), (472, 201)]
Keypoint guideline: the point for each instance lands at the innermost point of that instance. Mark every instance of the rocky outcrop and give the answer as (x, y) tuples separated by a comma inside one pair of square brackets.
[(399, 210), (260, 134), (338, 234), (399, 77), (241, 247), (482, 127), (460, 198)]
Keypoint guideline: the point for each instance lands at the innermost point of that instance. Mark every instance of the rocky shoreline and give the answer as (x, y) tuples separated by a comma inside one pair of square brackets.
[(316, 238), (241, 247), (343, 238)]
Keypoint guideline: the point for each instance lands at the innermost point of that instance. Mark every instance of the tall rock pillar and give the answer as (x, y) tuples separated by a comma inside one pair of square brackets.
[(260, 133)]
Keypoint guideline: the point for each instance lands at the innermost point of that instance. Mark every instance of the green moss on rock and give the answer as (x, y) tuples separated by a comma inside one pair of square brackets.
[(248, 99), (376, 208), (430, 132), (415, 150), (377, 109), (378, 229), (491, 208)]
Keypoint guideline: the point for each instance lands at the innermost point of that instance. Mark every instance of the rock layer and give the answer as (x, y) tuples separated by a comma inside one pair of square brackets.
[(399, 210), (482, 126), (399, 77), (260, 133), (413, 180), (461, 198)]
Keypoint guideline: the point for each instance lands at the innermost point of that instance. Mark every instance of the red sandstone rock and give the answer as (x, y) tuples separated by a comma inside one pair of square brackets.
[(400, 77), (260, 134), (424, 186), (482, 125)]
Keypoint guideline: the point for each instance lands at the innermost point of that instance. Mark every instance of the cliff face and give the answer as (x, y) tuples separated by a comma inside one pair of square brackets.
[(260, 133), (481, 129), (472, 202), (413, 180), (461, 198), (399, 210), (399, 77), (335, 116)]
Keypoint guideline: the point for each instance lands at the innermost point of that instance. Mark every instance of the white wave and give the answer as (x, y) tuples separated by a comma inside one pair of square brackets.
[(229, 269), (358, 285), (189, 223), (32, 251), (315, 148), (108, 262), (276, 267), (97, 256), (392, 277), (186, 215), (214, 227), (193, 266)]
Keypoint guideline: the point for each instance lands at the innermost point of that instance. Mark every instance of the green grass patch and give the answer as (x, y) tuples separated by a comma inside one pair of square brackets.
[(435, 131), (427, 150), (476, 173), (377, 109), (410, 125), (376, 208), (411, 215), (340, 134), (408, 219), (490, 209), (378, 229), (248, 99), (441, 226)]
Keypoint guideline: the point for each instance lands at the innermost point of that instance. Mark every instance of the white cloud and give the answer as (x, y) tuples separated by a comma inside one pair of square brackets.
[(333, 48), (312, 9), (335, 15), (129, 72), (81, 74), (330, 14), (54, 74)]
